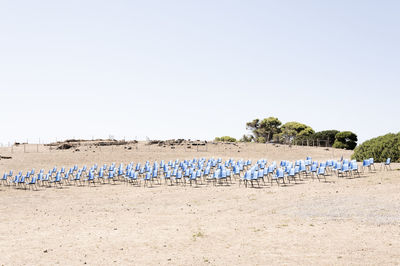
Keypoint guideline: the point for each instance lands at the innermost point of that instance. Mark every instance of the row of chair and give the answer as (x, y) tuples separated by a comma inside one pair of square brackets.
[(192, 171)]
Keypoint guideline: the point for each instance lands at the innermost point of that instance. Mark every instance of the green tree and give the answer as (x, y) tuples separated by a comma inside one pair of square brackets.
[(345, 140), (294, 129), (265, 128), (326, 135)]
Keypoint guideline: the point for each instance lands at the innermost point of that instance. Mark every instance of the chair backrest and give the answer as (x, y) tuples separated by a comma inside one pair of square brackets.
[(279, 173), (271, 169), (292, 171), (313, 168), (148, 176), (297, 169), (193, 175), (388, 161), (47, 177), (321, 171), (247, 175)]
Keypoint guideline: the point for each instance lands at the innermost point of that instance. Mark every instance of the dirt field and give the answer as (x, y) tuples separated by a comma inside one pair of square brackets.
[(342, 221)]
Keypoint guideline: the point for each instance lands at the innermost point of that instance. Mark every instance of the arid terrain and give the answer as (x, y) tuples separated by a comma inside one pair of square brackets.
[(341, 221)]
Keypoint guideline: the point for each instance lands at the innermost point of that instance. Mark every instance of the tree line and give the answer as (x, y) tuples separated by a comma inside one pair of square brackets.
[(271, 130)]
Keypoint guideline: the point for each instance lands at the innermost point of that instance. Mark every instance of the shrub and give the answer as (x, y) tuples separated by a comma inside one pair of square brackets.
[(225, 139), (380, 148), (345, 140)]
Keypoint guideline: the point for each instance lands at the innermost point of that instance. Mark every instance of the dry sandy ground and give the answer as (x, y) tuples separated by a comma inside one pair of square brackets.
[(342, 221)]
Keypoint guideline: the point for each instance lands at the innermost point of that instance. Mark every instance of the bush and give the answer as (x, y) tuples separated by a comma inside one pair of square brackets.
[(225, 139), (380, 148), (345, 140)]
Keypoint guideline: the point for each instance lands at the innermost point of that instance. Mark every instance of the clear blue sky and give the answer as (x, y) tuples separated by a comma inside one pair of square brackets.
[(196, 69)]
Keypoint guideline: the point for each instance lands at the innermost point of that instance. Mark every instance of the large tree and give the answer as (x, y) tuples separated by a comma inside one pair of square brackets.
[(294, 129), (265, 129), (345, 140), (326, 135)]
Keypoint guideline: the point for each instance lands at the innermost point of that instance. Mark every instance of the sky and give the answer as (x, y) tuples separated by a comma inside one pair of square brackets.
[(196, 69)]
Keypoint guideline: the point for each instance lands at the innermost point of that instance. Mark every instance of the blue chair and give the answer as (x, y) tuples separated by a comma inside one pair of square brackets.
[(260, 174), (313, 170), (292, 174), (77, 178), (279, 175), (167, 176), (32, 183), (199, 175), (46, 179), (66, 177), (321, 172), (354, 168), (4, 180), (345, 170), (246, 178), (303, 169), (371, 162), (386, 164), (223, 176), (16, 178), (193, 178), (111, 176), (90, 178), (100, 175), (236, 171), (178, 177), (155, 176), (21, 181), (214, 177), (366, 164), (39, 178), (134, 177), (147, 179), (57, 180)]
